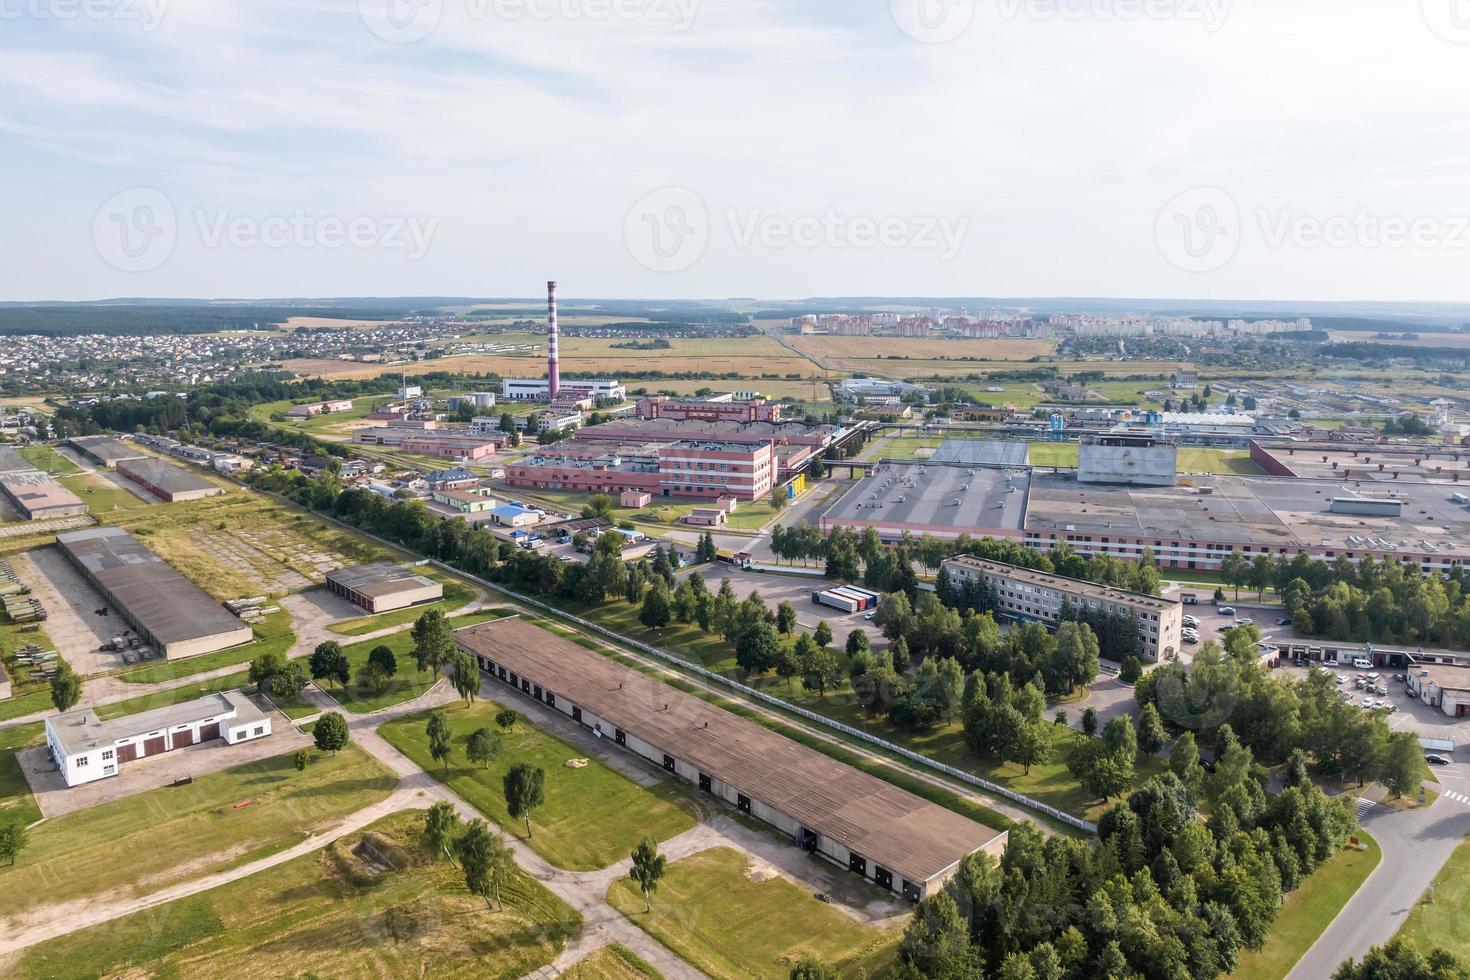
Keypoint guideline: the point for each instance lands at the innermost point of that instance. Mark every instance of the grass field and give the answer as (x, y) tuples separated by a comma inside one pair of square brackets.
[(456, 596), (48, 460), (331, 914), (272, 634), (17, 805), (106, 499), (1208, 461), (240, 680), (718, 916), (1307, 912), (82, 854), (12, 638), (1444, 922), (612, 963), (593, 816)]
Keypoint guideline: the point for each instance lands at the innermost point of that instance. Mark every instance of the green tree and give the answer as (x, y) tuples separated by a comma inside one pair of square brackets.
[(66, 688), (506, 719), (329, 663), (525, 790), (382, 656), (656, 613), (823, 634), (647, 869), (785, 618), (811, 968), (441, 738), (466, 675), (1089, 721), (1400, 960), (858, 642), (820, 670), (441, 823), (1029, 745), (13, 839), (1235, 570), (757, 648), (301, 757), (1403, 767), (486, 862), (1184, 762), (483, 747), (265, 668), (433, 641), (330, 732), (1151, 733)]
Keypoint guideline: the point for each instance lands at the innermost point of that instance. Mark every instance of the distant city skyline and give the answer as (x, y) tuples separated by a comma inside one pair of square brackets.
[(695, 149)]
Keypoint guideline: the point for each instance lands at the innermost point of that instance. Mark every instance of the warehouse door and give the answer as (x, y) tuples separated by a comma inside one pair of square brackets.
[(128, 752), (184, 739), (153, 746), (209, 732)]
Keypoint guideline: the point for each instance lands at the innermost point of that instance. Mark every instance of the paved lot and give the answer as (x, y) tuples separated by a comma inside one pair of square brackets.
[(56, 798), (776, 588), (71, 606)]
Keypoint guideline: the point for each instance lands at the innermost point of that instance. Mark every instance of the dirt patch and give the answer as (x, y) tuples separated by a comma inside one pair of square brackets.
[(71, 605)]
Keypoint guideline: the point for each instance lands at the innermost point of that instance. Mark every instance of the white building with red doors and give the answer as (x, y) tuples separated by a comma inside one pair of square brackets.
[(85, 748)]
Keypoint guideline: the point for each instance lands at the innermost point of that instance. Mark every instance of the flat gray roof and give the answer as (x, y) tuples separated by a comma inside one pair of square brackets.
[(982, 451), (1061, 583), (889, 826), (164, 475), (105, 447), (82, 731), (12, 461), (921, 493), (1269, 511), (383, 578), (163, 602), (33, 490)]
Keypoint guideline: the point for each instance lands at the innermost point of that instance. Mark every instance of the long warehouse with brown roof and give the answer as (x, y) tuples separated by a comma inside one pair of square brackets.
[(168, 611), (889, 836)]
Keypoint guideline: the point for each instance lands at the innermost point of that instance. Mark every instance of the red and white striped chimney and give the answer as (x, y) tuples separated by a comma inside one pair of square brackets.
[(553, 359)]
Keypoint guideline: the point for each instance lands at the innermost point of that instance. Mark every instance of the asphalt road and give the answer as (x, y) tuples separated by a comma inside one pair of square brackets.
[(1416, 844)]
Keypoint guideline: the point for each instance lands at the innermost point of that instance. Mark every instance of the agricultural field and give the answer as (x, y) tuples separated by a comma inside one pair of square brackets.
[(772, 390), (1456, 340), (731, 919), (323, 426), (370, 904), (75, 856), (837, 351), (593, 816)]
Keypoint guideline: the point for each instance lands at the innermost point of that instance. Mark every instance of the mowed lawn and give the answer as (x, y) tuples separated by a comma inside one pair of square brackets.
[(611, 963), (593, 816), (143, 843), (720, 918), (1444, 922), (1308, 911), (331, 914), (17, 805)]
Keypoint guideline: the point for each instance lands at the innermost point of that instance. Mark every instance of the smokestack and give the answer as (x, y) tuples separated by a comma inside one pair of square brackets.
[(553, 360)]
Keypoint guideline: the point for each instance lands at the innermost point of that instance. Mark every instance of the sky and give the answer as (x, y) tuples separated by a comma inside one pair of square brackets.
[(1220, 149)]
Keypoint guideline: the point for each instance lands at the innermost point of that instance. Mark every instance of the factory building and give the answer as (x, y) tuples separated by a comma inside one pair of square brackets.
[(1132, 458), (174, 615), (105, 451), (313, 409), (538, 390), (708, 409), (167, 481), (1024, 594), (383, 587), (37, 496), (689, 468), (890, 837), (86, 748)]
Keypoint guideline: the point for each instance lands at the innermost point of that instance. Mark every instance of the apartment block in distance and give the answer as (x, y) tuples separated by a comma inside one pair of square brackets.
[(1022, 593)]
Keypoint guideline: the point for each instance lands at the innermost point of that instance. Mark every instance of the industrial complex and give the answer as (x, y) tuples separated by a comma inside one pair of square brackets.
[(889, 836), (174, 615), (167, 481), (105, 451), (38, 496), (384, 586)]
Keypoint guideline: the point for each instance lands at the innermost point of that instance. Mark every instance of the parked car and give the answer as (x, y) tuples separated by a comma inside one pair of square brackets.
[(1227, 611), (1329, 663), (1245, 621), (1189, 598), (1367, 703), (1190, 638), (1362, 664), (1436, 760), (870, 614), (1191, 621), (1283, 621), (1341, 680), (1381, 691)]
